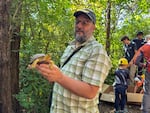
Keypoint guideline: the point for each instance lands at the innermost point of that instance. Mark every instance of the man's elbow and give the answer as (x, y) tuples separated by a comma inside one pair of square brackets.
[(93, 92), (91, 96)]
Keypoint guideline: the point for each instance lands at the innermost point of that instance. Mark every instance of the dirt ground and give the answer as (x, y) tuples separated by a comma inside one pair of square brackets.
[(107, 107)]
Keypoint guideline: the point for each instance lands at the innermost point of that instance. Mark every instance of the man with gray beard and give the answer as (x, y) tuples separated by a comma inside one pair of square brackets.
[(84, 67)]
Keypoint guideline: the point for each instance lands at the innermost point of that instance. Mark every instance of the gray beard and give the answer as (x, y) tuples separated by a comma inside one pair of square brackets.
[(80, 39)]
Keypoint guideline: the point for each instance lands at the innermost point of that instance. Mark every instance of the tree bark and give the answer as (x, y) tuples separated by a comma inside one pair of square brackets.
[(108, 20), (15, 46), (5, 75)]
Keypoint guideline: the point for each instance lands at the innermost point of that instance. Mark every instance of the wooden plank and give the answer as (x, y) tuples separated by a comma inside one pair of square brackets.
[(134, 97), (109, 96), (104, 87)]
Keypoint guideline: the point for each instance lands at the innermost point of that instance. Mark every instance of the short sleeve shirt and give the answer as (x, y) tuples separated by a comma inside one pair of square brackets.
[(121, 77), (145, 50), (139, 42), (90, 64), (130, 50)]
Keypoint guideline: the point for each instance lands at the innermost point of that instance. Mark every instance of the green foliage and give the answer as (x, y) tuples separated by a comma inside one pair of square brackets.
[(35, 90), (47, 27)]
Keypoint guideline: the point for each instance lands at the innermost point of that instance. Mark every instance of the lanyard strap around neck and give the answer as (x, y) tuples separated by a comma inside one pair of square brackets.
[(75, 51)]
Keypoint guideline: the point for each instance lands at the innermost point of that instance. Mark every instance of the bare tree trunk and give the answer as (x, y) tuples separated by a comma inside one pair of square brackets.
[(108, 20), (15, 46), (5, 75)]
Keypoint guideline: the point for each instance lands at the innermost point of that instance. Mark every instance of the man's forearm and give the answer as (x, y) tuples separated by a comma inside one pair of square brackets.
[(77, 87)]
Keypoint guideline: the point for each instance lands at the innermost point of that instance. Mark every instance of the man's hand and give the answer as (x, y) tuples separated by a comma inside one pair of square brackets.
[(54, 74), (51, 74)]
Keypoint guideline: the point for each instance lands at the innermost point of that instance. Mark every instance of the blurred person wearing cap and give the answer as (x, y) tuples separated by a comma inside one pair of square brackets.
[(139, 40), (78, 82), (144, 52), (120, 85), (130, 49)]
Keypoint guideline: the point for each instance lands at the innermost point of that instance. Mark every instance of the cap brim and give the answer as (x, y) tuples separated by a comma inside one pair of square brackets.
[(76, 14), (89, 13)]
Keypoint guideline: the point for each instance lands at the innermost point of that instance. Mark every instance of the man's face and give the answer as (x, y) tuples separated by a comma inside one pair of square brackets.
[(84, 28), (140, 36), (125, 41)]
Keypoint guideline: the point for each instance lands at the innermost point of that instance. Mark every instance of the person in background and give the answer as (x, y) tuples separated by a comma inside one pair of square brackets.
[(77, 83), (139, 81), (139, 88), (139, 40), (130, 49), (121, 85), (144, 52)]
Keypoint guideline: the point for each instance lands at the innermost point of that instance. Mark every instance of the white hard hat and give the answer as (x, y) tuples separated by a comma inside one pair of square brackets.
[(136, 79)]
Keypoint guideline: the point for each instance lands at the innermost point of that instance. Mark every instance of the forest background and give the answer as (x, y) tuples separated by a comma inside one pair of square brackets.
[(28, 27)]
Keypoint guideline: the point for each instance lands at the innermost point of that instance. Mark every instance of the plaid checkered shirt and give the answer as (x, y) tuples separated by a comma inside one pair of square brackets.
[(90, 64)]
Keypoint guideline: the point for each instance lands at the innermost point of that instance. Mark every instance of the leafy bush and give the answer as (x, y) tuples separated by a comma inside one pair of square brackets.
[(34, 92)]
